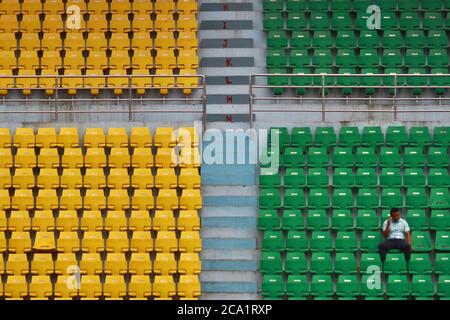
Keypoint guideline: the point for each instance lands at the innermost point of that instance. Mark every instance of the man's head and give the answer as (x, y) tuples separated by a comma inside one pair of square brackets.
[(395, 214)]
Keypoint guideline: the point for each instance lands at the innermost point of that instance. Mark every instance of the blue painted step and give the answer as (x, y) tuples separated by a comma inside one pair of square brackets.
[(233, 201), (229, 265), (234, 175), (225, 287), (226, 243), (229, 222)]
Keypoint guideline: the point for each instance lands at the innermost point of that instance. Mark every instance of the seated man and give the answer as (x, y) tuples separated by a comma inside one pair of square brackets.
[(395, 230)]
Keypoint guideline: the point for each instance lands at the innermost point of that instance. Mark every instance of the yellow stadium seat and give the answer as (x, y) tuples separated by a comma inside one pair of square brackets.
[(189, 82), (141, 241), (3, 227), (27, 80), (2, 242), (143, 6), (189, 287), (28, 42), (163, 220), (72, 158), (142, 23), (5, 138), (23, 178), (189, 158), (119, 23), (167, 199), (142, 179), (165, 59), (119, 158), (22, 200), (71, 199), (16, 287), (143, 200), (6, 159), (19, 221), (90, 287), (166, 178), (117, 138), (54, 6), (163, 287), (187, 137), (118, 79), (165, 264), (74, 41), (117, 242), (96, 42), (20, 242), (97, 6), (115, 263), (6, 79), (47, 179), (165, 137), (72, 81), (97, 23), (65, 291), (191, 199), (189, 263), (187, 59), (141, 81), (92, 242), (97, 60), (9, 23), (73, 60), (118, 179), (189, 179), (91, 221), (114, 287), (140, 41), (17, 264), (71, 179), (43, 221), (142, 60), (164, 6), (68, 242), (95, 158), (187, 6), (94, 138), (120, 6), (48, 158), (91, 263), (94, 179), (94, 200), (65, 263), (115, 221), (44, 241), (47, 199), (67, 220), (187, 23), (140, 264), (140, 286), (118, 199), (164, 22), (32, 7), (47, 80), (8, 61), (140, 221), (164, 41), (50, 42), (190, 242), (24, 138), (142, 158), (30, 23), (41, 287), (68, 138), (166, 241), (46, 138), (52, 23), (166, 158), (42, 264), (9, 7), (188, 220), (4, 200), (5, 178), (140, 137), (50, 61)]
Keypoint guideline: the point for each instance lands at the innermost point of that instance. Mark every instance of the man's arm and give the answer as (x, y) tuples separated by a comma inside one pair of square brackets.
[(387, 230), (408, 238)]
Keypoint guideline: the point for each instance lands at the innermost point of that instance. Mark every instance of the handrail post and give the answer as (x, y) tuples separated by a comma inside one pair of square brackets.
[(130, 92), (323, 97), (250, 100), (395, 97), (56, 97)]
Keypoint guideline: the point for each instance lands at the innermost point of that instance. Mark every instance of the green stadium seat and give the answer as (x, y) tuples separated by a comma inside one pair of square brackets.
[(296, 5), (368, 43), (422, 287), (390, 178), (439, 198), (414, 177), (387, 5), (419, 136), (296, 241), (442, 263), (413, 157), (366, 178), (391, 58), (302, 81), (368, 58), (294, 178), (421, 241), (317, 157), (278, 136), (420, 263), (347, 81), (317, 220), (269, 178), (342, 220), (299, 59), (272, 287), (346, 242), (293, 220), (273, 21), (300, 40), (319, 21), (388, 20), (396, 136), (345, 263), (437, 39), (405, 5), (370, 241), (409, 20), (438, 178), (297, 287), (295, 263), (415, 58), (440, 220), (321, 242), (301, 137), (367, 260), (341, 21), (341, 5), (293, 157), (441, 136), (432, 20), (431, 5), (361, 19), (417, 219), (296, 21), (270, 263), (322, 287), (294, 199), (268, 220), (270, 158), (347, 287), (372, 137), (390, 157), (416, 198), (415, 39), (366, 157), (273, 6), (317, 178), (345, 40), (273, 241), (416, 80), (278, 80), (371, 289), (276, 59), (321, 263), (392, 39), (349, 137), (277, 40), (391, 198), (437, 157), (442, 241), (322, 40), (367, 220), (318, 5), (323, 77), (318, 199), (343, 199), (322, 58), (443, 288), (269, 199), (343, 178), (437, 58), (395, 263), (397, 287), (367, 198), (361, 5)]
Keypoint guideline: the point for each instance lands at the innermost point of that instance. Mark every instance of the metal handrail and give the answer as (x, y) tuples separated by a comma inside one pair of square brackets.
[(323, 86)]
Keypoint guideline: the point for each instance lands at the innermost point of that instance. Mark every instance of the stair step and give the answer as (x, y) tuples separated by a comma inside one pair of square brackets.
[(223, 99), (258, 36), (228, 90), (228, 113), (229, 222), (227, 62), (229, 265), (229, 232), (243, 71), (226, 43), (226, 25), (220, 243), (228, 16), (222, 287), (237, 254), (230, 296), (227, 81), (204, 7)]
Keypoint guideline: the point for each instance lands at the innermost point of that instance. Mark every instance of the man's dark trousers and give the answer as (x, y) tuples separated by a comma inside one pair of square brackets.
[(389, 244)]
